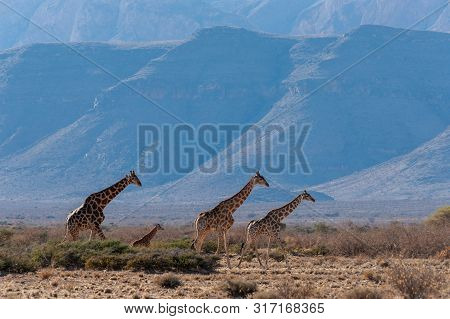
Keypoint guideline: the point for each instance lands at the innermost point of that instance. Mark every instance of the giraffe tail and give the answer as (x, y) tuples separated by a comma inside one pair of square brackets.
[(195, 226), (67, 233), (246, 235)]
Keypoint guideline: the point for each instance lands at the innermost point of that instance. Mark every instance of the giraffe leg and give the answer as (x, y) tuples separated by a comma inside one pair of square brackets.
[(218, 245), (226, 249), (66, 234), (90, 236), (199, 241), (267, 254), (244, 248), (98, 231), (255, 249)]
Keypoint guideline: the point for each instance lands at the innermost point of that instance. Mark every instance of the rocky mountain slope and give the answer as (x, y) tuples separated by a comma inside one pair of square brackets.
[(68, 129), (385, 106), (422, 173)]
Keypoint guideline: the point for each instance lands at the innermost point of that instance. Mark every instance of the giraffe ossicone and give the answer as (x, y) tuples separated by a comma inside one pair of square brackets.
[(89, 216)]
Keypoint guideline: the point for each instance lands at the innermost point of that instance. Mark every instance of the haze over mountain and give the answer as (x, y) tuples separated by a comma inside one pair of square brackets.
[(384, 107), (220, 75), (422, 173), (150, 20)]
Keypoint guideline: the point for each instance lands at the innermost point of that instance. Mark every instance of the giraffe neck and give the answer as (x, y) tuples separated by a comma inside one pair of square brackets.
[(112, 191), (283, 212), (152, 233), (237, 200)]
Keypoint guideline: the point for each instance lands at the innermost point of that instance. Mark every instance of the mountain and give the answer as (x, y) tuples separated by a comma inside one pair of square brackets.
[(45, 87), (224, 75), (337, 17), (150, 20), (68, 128), (422, 173), (385, 106)]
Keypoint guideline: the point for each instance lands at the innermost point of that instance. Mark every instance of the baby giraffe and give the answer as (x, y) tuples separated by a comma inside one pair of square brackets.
[(269, 227), (220, 218), (90, 215), (145, 241)]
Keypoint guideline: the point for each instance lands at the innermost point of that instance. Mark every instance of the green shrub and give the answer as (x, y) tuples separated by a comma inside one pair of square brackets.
[(177, 260), (180, 243), (74, 255), (16, 264), (107, 262), (5, 235)]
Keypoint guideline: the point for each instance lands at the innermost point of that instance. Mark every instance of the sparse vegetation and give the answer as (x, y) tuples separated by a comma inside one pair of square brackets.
[(414, 282), (363, 293), (372, 276), (288, 290), (15, 264), (238, 288), (169, 281)]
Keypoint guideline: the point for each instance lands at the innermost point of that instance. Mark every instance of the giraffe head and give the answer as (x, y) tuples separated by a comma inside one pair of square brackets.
[(259, 179), (132, 178), (159, 227), (306, 196)]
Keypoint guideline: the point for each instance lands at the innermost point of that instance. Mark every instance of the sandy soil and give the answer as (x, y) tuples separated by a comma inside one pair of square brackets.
[(330, 277)]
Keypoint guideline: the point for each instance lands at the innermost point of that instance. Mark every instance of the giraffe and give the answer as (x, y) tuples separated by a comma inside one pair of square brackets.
[(220, 219), (90, 215), (145, 241), (270, 227)]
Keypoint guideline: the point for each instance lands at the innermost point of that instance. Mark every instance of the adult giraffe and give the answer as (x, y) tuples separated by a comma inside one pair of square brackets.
[(90, 215), (270, 227), (220, 219)]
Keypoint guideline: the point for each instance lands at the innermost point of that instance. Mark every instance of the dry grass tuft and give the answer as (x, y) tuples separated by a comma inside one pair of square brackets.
[(414, 282), (46, 273), (363, 293), (372, 276), (239, 288), (443, 254), (288, 290), (169, 281)]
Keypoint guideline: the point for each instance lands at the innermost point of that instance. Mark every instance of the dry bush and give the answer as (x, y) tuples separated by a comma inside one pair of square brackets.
[(239, 288), (414, 282), (441, 217), (169, 281), (46, 273), (363, 293), (393, 240)]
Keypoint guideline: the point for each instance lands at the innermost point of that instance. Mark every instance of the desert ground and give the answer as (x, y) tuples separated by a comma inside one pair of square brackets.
[(311, 277)]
